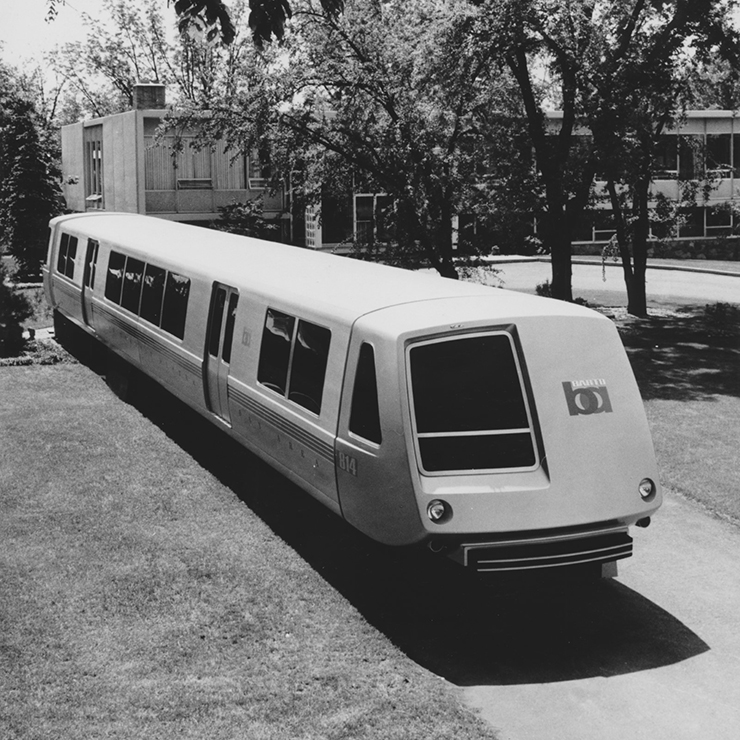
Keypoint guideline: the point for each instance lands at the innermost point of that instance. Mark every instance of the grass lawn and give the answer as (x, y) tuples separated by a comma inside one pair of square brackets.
[(687, 364), (141, 598), (156, 581)]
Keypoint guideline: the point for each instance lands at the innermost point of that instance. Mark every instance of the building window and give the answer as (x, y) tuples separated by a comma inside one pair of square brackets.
[(666, 158), (258, 172), (691, 223), (690, 156), (93, 155), (718, 221), (719, 156), (371, 218)]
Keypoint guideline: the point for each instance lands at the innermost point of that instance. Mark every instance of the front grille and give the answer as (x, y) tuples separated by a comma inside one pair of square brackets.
[(530, 555)]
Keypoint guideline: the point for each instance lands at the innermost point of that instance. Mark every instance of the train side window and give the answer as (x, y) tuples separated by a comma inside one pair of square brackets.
[(91, 261), (62, 256), (277, 338), (229, 331), (114, 279), (152, 293), (217, 317), (364, 418), (308, 369), (175, 309), (67, 255), (71, 255), (132, 285)]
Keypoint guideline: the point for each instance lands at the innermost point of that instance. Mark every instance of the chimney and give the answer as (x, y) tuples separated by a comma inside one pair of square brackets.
[(149, 96)]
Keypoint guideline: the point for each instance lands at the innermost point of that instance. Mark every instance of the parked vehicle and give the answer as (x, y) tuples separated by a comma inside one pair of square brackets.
[(503, 430)]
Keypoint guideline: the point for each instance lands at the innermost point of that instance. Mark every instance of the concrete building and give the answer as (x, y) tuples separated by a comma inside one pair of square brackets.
[(116, 163), (704, 149)]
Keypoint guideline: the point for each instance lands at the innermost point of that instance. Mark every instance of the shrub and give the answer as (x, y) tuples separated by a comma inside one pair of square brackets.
[(722, 319), (14, 309), (246, 219), (544, 289)]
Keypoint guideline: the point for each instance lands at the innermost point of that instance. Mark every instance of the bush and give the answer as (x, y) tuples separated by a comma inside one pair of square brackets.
[(722, 320), (544, 289), (14, 309), (246, 219)]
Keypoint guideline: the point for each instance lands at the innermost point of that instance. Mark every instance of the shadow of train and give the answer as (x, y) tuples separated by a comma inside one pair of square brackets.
[(466, 628)]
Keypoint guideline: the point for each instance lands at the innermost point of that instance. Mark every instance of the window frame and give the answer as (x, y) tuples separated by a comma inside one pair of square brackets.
[(264, 358), (358, 416), (173, 314), (66, 261), (525, 395)]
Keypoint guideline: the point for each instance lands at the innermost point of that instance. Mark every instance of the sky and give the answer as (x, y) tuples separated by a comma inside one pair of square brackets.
[(25, 34)]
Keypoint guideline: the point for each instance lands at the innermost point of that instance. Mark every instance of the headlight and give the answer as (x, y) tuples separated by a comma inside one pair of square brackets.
[(439, 511), (647, 489)]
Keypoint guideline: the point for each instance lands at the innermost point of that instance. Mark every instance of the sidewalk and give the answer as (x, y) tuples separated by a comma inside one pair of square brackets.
[(728, 268)]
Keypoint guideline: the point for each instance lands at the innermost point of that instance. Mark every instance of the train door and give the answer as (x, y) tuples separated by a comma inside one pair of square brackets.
[(88, 282), (219, 340)]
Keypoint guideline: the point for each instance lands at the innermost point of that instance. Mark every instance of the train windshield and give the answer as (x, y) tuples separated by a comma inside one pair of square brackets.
[(469, 406)]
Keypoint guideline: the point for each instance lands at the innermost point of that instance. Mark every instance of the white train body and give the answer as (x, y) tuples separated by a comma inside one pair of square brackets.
[(503, 429)]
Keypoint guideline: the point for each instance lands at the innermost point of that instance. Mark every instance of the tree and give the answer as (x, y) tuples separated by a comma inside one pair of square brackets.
[(27, 183), (604, 61), (381, 100), (635, 85), (14, 309), (130, 44)]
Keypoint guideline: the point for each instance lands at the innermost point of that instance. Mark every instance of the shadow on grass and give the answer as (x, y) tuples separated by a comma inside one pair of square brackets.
[(685, 356), (468, 630)]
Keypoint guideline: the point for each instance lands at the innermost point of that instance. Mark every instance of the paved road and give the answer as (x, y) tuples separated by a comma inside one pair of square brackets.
[(667, 669), (663, 286), (654, 654)]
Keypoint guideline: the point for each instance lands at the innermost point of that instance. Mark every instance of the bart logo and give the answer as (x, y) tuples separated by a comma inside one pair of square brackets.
[(586, 397)]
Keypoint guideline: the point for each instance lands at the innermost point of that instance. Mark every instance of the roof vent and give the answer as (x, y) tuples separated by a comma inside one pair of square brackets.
[(149, 96)]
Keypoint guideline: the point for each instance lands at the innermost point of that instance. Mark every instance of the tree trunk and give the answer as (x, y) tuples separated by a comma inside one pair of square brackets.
[(439, 244), (562, 265), (636, 289)]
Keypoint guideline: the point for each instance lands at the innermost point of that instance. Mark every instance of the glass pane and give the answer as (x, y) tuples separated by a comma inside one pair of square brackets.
[(467, 385), (719, 155), (132, 285), (690, 156), (90, 262), (495, 451), (175, 308), (691, 222), (69, 269), (62, 258), (217, 318), (152, 294), (666, 158), (275, 351), (365, 416), (309, 365), (114, 279), (229, 331)]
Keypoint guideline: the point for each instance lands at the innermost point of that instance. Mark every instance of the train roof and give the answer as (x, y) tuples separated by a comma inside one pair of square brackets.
[(342, 286)]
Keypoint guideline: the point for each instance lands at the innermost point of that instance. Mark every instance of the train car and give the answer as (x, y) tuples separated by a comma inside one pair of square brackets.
[(503, 430)]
